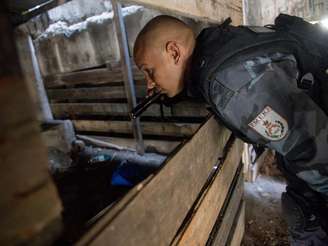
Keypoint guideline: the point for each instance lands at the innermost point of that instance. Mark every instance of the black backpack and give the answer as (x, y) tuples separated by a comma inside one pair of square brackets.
[(222, 46), (314, 40), (290, 34)]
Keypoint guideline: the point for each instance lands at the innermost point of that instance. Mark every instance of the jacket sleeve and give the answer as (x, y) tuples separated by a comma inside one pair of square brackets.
[(269, 108)]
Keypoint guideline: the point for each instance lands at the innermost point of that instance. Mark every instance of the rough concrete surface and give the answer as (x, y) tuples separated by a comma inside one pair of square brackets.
[(89, 43), (259, 12), (264, 223), (77, 10)]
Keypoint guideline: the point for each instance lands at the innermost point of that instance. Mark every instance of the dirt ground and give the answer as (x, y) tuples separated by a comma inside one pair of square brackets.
[(264, 222)]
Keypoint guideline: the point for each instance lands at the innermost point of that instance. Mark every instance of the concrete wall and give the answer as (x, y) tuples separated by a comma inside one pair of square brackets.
[(264, 12), (64, 48), (77, 10)]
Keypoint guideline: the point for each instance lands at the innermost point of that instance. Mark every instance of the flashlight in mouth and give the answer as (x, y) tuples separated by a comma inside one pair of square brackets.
[(153, 95)]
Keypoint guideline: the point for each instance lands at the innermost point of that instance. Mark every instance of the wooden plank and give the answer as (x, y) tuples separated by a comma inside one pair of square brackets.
[(154, 216), (100, 93), (212, 11), (247, 161), (200, 226), (29, 204), (239, 231), (230, 213), (183, 109), (158, 146), (148, 128), (95, 76), (255, 168)]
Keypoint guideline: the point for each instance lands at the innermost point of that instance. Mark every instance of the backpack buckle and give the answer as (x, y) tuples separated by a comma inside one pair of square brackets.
[(306, 82)]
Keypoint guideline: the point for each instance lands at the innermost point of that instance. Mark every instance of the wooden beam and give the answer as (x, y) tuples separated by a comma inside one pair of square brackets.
[(239, 231), (158, 146), (230, 213), (95, 76), (259, 162), (100, 93), (211, 11), (183, 109), (155, 214), (29, 205), (148, 128), (199, 227)]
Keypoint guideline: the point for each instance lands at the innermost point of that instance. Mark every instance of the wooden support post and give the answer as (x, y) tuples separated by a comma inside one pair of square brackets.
[(30, 209), (127, 72)]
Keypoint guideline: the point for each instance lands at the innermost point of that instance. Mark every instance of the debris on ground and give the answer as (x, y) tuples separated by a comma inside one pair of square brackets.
[(264, 222)]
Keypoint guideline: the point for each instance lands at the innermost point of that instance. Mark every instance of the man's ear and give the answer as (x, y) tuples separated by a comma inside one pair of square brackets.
[(173, 50)]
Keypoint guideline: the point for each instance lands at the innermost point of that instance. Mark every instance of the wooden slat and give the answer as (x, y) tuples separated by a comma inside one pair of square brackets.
[(154, 216), (112, 109), (107, 92), (158, 146), (200, 226), (239, 231), (213, 11), (255, 168), (226, 224), (148, 128), (120, 109), (95, 76), (30, 208)]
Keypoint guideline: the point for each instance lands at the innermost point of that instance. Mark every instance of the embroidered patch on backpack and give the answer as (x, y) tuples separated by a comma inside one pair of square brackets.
[(270, 124)]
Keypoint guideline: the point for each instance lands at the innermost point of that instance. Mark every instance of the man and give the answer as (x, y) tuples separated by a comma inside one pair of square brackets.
[(258, 82)]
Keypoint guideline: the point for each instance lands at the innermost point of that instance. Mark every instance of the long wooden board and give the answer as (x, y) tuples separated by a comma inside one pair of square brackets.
[(30, 208), (148, 128), (200, 226), (121, 109), (239, 231), (95, 76), (213, 11), (104, 92), (154, 216), (158, 146), (231, 211)]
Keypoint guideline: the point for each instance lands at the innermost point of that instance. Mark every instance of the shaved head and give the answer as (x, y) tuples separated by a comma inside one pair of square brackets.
[(162, 50), (159, 30)]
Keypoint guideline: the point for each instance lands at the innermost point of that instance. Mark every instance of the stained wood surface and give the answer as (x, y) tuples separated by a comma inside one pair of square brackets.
[(240, 228), (29, 205), (155, 214), (213, 11), (230, 214), (96, 76), (120, 109), (148, 128), (100, 93), (204, 218), (158, 146)]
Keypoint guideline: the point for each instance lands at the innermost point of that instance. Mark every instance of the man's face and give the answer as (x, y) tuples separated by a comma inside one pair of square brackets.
[(161, 70)]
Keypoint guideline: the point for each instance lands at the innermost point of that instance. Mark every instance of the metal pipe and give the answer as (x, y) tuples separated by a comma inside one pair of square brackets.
[(43, 98), (127, 72)]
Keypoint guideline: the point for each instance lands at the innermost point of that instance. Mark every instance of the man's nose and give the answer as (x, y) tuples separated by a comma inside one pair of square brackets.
[(150, 86)]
